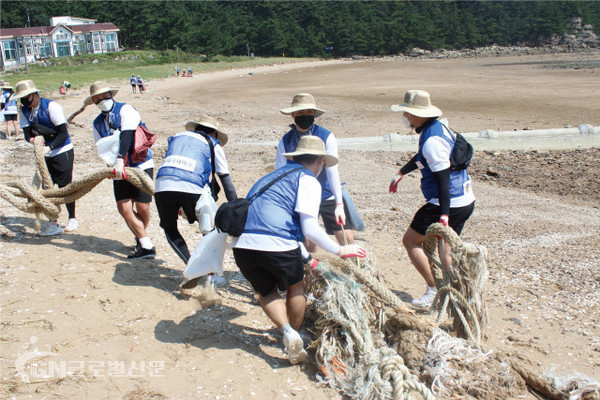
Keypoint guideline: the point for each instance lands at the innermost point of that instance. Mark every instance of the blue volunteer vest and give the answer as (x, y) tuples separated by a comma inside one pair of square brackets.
[(132, 80), (429, 185), (188, 159), (43, 118), (290, 142), (114, 118), (272, 213), (10, 106), (139, 81)]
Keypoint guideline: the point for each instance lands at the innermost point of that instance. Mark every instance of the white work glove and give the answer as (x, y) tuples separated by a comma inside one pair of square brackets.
[(340, 215), (47, 150), (395, 181), (352, 250), (119, 169)]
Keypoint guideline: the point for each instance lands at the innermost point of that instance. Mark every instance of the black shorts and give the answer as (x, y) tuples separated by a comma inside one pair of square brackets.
[(60, 168), (124, 190), (327, 212), (133, 85), (266, 270), (168, 205), (10, 117), (430, 214)]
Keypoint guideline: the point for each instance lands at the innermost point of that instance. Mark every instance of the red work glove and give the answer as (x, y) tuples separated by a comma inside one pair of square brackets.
[(395, 181), (444, 220), (352, 250)]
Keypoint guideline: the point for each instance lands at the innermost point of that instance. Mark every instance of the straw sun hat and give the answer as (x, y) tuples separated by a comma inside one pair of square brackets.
[(309, 144), (24, 88), (303, 101), (97, 88), (418, 103), (211, 123)]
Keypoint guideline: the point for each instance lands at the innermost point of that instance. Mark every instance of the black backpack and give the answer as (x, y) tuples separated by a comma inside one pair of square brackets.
[(461, 154)]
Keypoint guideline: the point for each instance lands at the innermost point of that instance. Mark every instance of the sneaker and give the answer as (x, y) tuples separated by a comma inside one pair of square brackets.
[(216, 281), (426, 300), (72, 225), (190, 283), (295, 347), (137, 245), (142, 253), (51, 230)]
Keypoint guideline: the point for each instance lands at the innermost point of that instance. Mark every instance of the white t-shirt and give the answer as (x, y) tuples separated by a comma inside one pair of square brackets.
[(308, 201), (172, 184), (130, 119), (57, 116), (333, 176), (436, 151)]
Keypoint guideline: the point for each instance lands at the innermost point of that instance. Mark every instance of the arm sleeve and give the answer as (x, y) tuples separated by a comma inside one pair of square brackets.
[(228, 187), (314, 233), (409, 166), (308, 201), (60, 137), (443, 181), (280, 159), (125, 142), (333, 176), (27, 133)]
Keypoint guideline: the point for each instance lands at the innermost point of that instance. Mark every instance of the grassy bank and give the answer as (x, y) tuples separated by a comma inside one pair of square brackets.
[(117, 67)]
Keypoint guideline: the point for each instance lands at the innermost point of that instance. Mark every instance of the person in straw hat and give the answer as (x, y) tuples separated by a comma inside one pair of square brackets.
[(333, 205), (122, 119), (9, 109), (268, 253), (43, 117), (449, 194), (185, 171)]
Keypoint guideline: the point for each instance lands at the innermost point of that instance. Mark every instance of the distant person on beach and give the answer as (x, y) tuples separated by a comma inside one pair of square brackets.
[(133, 204), (303, 111), (268, 253), (185, 171), (140, 84), (177, 71), (10, 110), (44, 117), (449, 194), (190, 71), (133, 83)]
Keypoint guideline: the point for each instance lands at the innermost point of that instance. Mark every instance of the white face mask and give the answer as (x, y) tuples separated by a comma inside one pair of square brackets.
[(406, 122), (106, 105)]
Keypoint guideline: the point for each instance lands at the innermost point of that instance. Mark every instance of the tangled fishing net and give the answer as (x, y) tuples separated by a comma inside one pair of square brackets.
[(369, 345)]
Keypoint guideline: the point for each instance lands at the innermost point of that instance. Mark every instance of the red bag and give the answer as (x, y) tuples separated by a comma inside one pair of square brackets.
[(143, 88), (143, 139)]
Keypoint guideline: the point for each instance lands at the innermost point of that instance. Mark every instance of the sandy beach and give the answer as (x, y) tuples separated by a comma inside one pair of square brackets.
[(81, 321)]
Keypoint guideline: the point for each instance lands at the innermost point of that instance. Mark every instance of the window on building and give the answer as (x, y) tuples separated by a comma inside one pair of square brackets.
[(97, 43), (46, 48), (111, 42), (10, 51)]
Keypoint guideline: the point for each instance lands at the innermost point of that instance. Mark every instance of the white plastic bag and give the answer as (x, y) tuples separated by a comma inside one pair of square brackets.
[(108, 148), (206, 208), (208, 256)]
